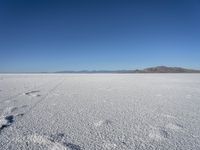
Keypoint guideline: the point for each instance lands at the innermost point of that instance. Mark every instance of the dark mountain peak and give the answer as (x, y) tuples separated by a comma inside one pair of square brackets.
[(165, 69)]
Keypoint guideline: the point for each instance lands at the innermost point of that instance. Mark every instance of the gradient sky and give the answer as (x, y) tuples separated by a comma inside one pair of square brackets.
[(54, 35)]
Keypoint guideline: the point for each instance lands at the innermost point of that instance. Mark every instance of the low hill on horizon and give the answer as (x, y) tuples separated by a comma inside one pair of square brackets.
[(157, 69)]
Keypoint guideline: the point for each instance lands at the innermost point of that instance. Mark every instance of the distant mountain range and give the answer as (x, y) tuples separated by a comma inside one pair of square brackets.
[(158, 69)]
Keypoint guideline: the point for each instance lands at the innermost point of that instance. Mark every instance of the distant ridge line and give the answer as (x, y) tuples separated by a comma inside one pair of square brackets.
[(158, 69)]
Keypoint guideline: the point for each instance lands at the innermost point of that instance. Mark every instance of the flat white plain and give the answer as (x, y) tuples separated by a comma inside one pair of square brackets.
[(99, 111)]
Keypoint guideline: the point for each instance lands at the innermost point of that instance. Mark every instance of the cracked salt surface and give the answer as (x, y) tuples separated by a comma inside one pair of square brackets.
[(99, 111)]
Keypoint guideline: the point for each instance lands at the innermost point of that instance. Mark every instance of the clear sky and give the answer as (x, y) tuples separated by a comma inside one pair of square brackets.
[(54, 35)]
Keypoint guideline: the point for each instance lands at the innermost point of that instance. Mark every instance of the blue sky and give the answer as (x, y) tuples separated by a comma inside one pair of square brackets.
[(54, 35)]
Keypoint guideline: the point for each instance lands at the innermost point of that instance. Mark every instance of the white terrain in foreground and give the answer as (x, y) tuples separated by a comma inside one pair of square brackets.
[(100, 111)]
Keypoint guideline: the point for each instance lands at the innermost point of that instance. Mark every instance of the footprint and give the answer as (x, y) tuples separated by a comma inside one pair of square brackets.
[(60, 138), (6, 122), (72, 146), (11, 110), (175, 127), (57, 137), (158, 134), (9, 115), (33, 93), (54, 142), (103, 122), (42, 140)]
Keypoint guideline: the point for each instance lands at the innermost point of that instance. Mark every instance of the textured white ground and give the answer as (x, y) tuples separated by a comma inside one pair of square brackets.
[(100, 111)]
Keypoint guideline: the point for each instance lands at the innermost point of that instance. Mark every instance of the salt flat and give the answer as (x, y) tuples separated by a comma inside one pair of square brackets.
[(99, 111)]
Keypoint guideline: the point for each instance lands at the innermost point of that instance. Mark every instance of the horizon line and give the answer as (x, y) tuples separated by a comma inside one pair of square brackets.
[(97, 71)]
